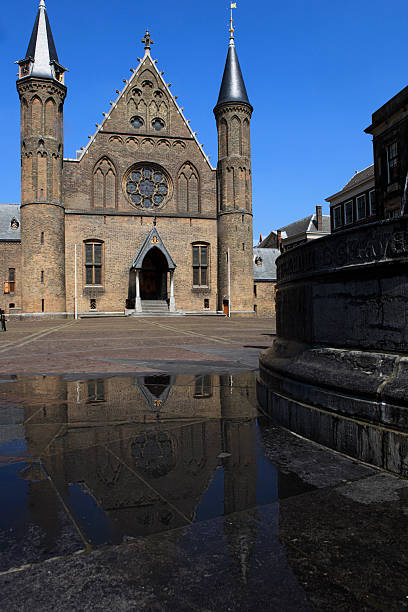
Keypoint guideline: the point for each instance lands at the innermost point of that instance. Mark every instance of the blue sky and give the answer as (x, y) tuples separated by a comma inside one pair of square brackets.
[(314, 71)]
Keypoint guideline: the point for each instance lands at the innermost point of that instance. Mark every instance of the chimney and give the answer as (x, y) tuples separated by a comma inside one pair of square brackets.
[(319, 219), (260, 238), (279, 239)]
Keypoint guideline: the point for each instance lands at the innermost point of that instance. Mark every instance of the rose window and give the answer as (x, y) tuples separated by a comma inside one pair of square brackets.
[(147, 187)]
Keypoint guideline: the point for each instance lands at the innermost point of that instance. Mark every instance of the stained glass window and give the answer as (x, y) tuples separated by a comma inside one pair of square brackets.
[(147, 187)]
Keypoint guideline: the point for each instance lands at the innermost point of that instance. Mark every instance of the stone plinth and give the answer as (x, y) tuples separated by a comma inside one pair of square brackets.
[(342, 327)]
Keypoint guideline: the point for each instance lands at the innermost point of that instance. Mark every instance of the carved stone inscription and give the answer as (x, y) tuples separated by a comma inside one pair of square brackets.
[(364, 245)]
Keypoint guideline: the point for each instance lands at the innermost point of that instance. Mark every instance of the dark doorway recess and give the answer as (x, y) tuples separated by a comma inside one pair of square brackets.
[(153, 276), (157, 384)]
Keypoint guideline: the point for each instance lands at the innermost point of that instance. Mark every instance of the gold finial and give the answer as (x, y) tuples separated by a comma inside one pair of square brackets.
[(232, 29)]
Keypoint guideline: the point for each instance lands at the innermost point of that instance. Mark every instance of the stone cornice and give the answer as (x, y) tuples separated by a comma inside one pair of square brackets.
[(33, 85), (235, 107), (238, 211), (58, 204), (110, 212)]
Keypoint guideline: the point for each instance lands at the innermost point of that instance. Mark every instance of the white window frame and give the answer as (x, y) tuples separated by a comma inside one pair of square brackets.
[(336, 225), (345, 212), (388, 159), (361, 197)]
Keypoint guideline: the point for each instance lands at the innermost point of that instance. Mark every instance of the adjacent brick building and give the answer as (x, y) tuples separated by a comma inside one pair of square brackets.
[(141, 211)]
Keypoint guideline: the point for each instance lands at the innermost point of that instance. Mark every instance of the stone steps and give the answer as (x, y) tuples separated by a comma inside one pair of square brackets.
[(155, 307)]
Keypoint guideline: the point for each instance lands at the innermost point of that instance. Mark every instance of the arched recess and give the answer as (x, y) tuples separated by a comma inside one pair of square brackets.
[(132, 108), (163, 113), (142, 111), (50, 118), (56, 177), (60, 122), (36, 116), (153, 112), (104, 184), (235, 138), (223, 138), (248, 189), (246, 148), (25, 117), (27, 177), (188, 184), (147, 80), (42, 160)]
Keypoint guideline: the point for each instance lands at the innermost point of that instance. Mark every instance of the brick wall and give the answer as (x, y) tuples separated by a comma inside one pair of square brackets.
[(265, 298), (123, 236), (10, 257)]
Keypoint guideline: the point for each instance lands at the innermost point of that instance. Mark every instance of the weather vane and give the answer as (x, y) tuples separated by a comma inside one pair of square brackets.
[(231, 30)]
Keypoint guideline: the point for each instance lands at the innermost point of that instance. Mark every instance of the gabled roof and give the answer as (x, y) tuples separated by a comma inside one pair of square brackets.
[(152, 241), (9, 212), (152, 65), (358, 178), (304, 226), (232, 87), (267, 270), (270, 242)]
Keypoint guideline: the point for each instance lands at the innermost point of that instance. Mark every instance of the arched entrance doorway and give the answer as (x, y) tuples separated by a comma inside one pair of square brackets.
[(153, 276)]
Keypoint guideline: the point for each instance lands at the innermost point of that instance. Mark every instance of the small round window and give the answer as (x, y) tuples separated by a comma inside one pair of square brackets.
[(158, 124), (147, 186), (137, 122)]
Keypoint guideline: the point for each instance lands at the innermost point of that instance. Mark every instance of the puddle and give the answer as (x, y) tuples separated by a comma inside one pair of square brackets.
[(107, 460)]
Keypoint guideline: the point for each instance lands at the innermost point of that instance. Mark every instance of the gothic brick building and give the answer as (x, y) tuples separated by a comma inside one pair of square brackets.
[(147, 219)]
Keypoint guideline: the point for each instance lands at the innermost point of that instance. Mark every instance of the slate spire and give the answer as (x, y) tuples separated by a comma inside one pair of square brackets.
[(232, 87), (41, 59)]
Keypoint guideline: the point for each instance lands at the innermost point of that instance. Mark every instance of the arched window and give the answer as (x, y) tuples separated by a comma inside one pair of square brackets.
[(201, 264), (93, 257), (188, 189), (104, 184)]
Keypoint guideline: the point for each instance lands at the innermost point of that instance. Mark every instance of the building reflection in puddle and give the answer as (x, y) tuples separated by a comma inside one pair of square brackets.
[(131, 456)]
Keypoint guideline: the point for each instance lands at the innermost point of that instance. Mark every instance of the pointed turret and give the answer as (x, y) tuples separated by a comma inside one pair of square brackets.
[(41, 59), (233, 115), (42, 94), (232, 87)]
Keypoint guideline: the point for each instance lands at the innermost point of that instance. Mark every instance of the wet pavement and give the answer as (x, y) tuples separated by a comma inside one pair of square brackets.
[(165, 492), (155, 490)]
